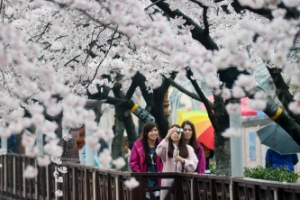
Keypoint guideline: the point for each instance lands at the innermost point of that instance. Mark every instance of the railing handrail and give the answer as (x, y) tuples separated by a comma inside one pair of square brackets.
[(96, 183)]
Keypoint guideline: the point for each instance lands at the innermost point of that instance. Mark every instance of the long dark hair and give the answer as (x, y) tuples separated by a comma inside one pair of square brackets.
[(193, 141), (146, 129), (183, 151)]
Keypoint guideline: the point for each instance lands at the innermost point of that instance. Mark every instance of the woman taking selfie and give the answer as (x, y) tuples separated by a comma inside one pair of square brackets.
[(184, 160), (189, 134), (143, 156)]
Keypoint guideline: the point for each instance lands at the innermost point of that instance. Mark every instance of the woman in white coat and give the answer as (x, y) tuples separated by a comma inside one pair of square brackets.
[(186, 158)]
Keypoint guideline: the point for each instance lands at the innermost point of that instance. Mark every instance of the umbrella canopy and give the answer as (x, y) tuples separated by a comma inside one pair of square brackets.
[(278, 139), (203, 126), (244, 109)]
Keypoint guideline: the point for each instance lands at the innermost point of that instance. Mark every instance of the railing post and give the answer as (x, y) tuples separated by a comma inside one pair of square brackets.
[(138, 192), (73, 183), (94, 186), (231, 190), (47, 182), (36, 187), (192, 188), (14, 176), (275, 195), (5, 173), (55, 184), (84, 182), (24, 180), (117, 186)]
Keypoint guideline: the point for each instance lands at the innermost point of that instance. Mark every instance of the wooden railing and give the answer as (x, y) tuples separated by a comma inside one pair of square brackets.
[(88, 183)]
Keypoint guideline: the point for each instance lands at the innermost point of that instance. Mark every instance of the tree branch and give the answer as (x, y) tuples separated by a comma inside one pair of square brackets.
[(42, 33), (183, 90), (197, 33), (205, 21), (152, 4), (166, 84), (136, 79), (205, 101), (198, 3), (281, 117), (282, 91), (73, 59), (1, 5), (91, 43), (113, 35)]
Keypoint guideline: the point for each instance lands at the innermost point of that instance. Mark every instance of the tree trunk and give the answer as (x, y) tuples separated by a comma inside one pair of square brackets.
[(222, 157), (125, 116), (117, 147), (159, 114), (130, 127)]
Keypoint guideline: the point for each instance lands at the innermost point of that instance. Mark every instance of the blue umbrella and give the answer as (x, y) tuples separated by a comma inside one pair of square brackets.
[(278, 139)]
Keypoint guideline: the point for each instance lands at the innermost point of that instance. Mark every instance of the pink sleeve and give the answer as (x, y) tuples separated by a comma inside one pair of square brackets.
[(201, 161), (192, 161), (134, 160), (162, 150)]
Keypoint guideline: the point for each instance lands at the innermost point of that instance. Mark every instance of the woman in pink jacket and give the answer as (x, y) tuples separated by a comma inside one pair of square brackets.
[(186, 157), (143, 156), (189, 133)]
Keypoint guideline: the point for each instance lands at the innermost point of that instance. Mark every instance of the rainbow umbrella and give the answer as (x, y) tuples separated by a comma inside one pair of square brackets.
[(203, 126)]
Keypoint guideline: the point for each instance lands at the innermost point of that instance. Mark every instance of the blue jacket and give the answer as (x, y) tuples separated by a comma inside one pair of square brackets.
[(276, 160), (82, 157)]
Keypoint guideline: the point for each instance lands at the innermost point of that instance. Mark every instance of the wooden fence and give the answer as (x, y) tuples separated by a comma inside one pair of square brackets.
[(87, 183)]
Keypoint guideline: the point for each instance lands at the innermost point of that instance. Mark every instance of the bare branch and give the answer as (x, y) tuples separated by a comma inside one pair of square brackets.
[(152, 4), (205, 101), (295, 39), (39, 36), (112, 37), (197, 32), (205, 21), (73, 59), (267, 13), (198, 3), (183, 90), (91, 46), (1, 5)]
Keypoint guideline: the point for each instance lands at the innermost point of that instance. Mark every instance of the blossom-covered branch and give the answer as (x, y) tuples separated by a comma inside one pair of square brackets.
[(181, 89), (198, 33)]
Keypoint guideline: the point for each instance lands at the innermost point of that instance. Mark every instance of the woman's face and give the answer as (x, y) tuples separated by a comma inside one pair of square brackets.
[(175, 137), (187, 132), (153, 134)]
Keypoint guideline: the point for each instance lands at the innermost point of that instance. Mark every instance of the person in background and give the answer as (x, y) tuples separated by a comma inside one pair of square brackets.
[(127, 152), (68, 145), (12, 145), (103, 145), (275, 160), (80, 146), (185, 160), (143, 157), (189, 134), (208, 155)]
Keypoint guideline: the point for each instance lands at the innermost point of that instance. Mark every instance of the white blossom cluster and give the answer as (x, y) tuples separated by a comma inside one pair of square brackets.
[(51, 51)]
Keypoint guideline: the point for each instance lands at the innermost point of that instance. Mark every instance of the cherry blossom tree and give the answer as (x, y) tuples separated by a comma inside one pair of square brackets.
[(55, 56)]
